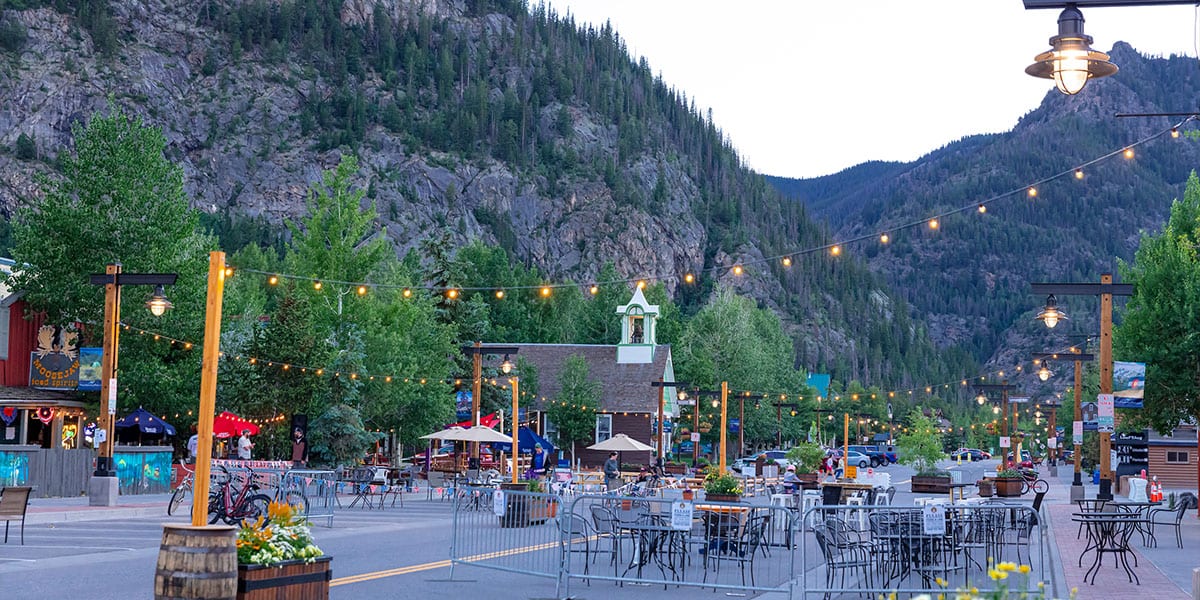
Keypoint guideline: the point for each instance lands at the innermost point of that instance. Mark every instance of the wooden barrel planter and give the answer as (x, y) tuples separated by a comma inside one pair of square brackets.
[(292, 579), (197, 563)]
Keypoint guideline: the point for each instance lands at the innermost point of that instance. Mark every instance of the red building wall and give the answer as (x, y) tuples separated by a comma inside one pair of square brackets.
[(22, 340)]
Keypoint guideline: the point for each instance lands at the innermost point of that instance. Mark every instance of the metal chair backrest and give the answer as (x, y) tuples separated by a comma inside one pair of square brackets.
[(604, 519), (574, 524), (14, 501)]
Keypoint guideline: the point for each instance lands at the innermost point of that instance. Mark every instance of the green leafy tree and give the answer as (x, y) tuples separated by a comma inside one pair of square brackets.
[(574, 412), (119, 200), (338, 436), (921, 446), (1163, 316)]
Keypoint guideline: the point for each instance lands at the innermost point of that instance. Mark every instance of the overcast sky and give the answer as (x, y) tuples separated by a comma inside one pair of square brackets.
[(809, 87)]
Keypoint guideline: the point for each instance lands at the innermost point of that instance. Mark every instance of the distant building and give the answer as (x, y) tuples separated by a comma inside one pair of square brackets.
[(1173, 458), (625, 371)]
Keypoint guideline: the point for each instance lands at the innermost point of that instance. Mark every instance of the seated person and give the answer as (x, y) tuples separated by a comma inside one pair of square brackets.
[(643, 475), (791, 483)]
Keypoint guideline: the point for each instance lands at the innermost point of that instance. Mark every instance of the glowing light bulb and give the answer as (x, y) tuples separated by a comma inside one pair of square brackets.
[(545, 291), (883, 239), (836, 250), (362, 290), (1032, 192), (737, 269), (1129, 153), (407, 293), (1078, 173), (595, 289), (273, 280), (982, 209), (499, 294), (317, 285), (933, 224), (689, 278), (787, 261)]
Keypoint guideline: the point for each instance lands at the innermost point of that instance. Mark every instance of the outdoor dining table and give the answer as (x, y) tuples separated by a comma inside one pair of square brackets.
[(1141, 509), (1108, 533), (653, 541)]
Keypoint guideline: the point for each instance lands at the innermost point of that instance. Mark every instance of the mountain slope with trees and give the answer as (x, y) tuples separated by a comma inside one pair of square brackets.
[(479, 120)]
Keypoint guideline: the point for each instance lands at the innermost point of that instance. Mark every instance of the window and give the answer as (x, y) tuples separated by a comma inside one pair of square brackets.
[(4, 333), (550, 431), (603, 427), (1177, 457), (636, 334)]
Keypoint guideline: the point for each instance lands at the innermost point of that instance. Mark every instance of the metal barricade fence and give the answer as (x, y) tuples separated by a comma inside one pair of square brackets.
[(319, 490), (850, 551), (658, 541), (506, 530)]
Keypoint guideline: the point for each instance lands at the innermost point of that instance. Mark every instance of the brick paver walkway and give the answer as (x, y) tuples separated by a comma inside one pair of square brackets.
[(1111, 583)]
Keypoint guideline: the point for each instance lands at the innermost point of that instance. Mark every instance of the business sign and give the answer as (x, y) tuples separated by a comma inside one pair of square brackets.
[(1077, 432), (1005, 442), (695, 437), (734, 425), (933, 521), (1129, 382), (1090, 412), (1104, 418), (1018, 400), (89, 369), (55, 363)]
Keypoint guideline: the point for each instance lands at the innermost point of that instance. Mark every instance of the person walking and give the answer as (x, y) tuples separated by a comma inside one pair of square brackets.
[(244, 445), (612, 472)]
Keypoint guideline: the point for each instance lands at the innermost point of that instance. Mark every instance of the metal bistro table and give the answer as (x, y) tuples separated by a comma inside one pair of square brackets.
[(653, 540), (1142, 510), (1108, 533)]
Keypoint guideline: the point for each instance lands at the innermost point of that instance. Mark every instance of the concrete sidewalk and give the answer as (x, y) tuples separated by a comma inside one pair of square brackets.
[(1163, 572), (59, 510)]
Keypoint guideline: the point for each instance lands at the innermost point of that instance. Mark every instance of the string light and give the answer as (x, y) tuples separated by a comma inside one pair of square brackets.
[(1174, 132), (687, 278), (1129, 152), (982, 208), (836, 250), (452, 293), (362, 290), (787, 261), (1078, 173), (317, 285), (273, 280), (545, 291), (407, 293), (933, 224), (884, 238), (594, 289), (499, 294), (1032, 192), (737, 269)]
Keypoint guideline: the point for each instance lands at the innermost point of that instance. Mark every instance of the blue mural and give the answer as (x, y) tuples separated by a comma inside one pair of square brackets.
[(14, 468), (143, 472)]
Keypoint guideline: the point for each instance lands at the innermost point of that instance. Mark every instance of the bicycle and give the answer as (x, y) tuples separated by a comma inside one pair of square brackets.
[(184, 490), (1031, 481), (224, 506)]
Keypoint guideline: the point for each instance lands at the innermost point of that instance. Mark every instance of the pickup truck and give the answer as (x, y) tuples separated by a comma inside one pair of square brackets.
[(878, 457)]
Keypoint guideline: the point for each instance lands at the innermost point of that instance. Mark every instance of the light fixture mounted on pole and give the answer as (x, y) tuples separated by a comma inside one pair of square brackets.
[(1050, 314), (1071, 62), (103, 490), (477, 351)]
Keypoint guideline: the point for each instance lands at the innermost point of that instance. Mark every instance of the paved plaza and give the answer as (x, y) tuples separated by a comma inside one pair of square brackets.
[(73, 550)]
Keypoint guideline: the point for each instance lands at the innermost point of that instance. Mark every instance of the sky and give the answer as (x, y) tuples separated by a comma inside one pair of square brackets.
[(805, 88)]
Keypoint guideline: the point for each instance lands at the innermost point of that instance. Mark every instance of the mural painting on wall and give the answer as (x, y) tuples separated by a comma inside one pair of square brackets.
[(143, 472), (55, 363), (14, 468)]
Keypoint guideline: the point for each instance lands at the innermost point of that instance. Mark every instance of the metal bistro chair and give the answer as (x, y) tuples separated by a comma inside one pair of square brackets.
[(14, 503), (844, 553), (576, 530), (608, 527), (1175, 517), (741, 549)]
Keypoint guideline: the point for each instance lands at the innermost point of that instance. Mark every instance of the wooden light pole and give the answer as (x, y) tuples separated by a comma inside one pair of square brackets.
[(515, 426), (724, 421), (208, 386)]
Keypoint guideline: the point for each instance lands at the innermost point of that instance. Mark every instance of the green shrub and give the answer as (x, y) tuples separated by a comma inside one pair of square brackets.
[(806, 456)]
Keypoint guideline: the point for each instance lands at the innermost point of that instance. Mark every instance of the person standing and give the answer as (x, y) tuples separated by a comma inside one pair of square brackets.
[(244, 445), (612, 472), (193, 445), (299, 448)]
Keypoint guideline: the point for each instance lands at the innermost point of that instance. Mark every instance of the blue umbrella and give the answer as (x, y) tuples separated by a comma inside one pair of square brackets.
[(526, 440), (145, 422)]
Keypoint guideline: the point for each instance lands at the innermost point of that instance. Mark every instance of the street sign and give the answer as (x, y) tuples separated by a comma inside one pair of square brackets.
[(1005, 442), (695, 437), (112, 396), (1104, 420), (734, 424), (1077, 432)]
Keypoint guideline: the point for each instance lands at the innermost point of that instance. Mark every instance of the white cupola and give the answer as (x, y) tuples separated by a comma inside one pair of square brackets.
[(638, 319)]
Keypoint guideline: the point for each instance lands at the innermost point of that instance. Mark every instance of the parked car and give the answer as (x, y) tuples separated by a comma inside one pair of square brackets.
[(878, 457), (969, 454), (779, 456), (857, 459)]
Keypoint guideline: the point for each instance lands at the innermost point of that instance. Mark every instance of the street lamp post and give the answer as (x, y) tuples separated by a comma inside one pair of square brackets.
[(476, 352), (681, 395), (102, 487), (779, 406), (1003, 388), (1106, 289), (1078, 357)]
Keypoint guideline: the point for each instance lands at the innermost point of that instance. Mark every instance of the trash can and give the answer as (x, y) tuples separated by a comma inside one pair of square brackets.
[(1095, 477)]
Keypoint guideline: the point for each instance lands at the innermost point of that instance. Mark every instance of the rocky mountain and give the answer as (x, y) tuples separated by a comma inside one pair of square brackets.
[(488, 118), (970, 279)]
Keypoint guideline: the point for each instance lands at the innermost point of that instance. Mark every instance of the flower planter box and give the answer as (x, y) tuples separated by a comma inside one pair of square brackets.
[(808, 481), (987, 488), (722, 497), (930, 484), (1008, 487), (523, 510), (293, 579)]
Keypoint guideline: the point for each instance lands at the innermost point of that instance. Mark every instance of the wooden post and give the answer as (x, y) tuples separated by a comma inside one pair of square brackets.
[(516, 452), (741, 449), (1106, 386), (779, 425), (108, 370), (1078, 454), (696, 430), (208, 386), (476, 390), (724, 421), (661, 393)]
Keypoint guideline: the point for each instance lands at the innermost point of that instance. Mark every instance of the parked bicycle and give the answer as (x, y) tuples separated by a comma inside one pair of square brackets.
[(1033, 482), (233, 504), (183, 492)]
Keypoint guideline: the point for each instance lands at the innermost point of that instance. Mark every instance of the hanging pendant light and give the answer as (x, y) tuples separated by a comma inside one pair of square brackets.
[(1071, 62)]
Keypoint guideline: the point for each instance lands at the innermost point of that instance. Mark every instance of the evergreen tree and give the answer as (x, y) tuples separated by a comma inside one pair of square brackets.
[(574, 411)]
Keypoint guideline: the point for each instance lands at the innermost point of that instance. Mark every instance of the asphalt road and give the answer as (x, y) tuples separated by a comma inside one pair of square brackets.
[(390, 553)]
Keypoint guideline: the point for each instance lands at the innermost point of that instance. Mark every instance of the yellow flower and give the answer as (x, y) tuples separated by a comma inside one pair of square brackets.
[(997, 575), (1007, 566), (1024, 569), (941, 582)]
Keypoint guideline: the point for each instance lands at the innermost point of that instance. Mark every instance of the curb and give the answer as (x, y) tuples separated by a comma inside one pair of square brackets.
[(95, 514)]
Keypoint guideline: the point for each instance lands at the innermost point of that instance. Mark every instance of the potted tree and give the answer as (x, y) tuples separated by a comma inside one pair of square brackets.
[(722, 487), (277, 558), (1008, 483), (921, 448), (807, 458)]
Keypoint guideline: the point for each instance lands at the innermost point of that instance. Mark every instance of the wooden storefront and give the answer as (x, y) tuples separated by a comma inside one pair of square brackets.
[(1175, 459)]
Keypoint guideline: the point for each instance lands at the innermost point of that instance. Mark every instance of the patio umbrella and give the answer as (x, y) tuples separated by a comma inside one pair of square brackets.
[(484, 434), (621, 443), (145, 422), (227, 424), (452, 434)]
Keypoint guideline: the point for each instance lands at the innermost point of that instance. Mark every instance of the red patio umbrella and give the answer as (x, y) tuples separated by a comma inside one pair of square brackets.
[(228, 424), (489, 420)]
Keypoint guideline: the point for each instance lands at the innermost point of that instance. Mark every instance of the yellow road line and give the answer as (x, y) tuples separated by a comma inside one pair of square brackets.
[(439, 564)]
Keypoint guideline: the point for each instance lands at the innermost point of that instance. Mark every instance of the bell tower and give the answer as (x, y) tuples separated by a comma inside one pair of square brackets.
[(638, 321)]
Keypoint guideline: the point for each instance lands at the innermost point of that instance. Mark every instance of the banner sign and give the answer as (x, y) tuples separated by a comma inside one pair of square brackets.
[(1018, 400), (1005, 442), (1104, 418), (1051, 443), (462, 404), (734, 424), (1077, 432), (1129, 381), (1090, 412), (89, 369)]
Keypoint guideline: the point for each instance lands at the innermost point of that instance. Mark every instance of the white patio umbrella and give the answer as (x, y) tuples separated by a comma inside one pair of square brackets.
[(482, 434), (449, 434), (621, 443)]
